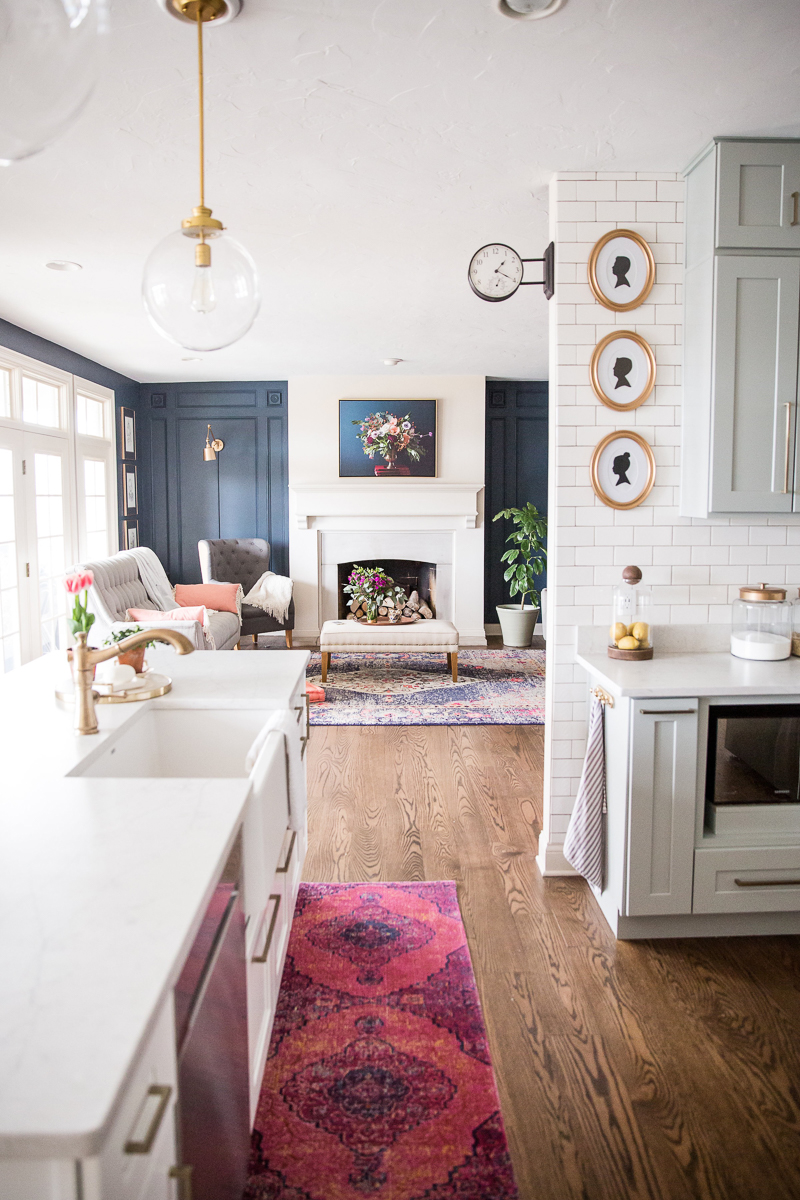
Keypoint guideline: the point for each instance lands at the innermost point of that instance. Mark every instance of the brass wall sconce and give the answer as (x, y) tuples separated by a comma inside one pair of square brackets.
[(212, 447)]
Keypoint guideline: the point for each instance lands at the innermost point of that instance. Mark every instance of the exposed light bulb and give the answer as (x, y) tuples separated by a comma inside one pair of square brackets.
[(204, 298), (200, 307)]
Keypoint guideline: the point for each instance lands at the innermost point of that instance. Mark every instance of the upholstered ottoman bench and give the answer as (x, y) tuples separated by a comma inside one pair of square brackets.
[(428, 637)]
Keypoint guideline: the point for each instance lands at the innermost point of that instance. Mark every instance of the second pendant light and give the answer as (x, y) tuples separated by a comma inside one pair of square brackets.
[(200, 286)]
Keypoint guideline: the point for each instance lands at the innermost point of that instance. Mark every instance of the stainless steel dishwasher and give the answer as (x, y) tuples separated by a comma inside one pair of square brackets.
[(211, 1030)]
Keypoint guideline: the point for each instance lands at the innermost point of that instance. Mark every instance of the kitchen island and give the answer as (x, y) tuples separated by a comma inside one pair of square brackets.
[(104, 884), (682, 859)]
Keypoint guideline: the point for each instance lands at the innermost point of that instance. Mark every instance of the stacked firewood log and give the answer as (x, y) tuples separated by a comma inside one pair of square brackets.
[(415, 609)]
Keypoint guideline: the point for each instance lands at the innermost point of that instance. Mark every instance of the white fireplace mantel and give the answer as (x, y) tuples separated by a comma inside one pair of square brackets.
[(346, 520), (385, 498)]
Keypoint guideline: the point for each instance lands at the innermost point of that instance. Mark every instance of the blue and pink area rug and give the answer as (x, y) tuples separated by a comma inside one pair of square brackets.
[(378, 1082), (495, 687)]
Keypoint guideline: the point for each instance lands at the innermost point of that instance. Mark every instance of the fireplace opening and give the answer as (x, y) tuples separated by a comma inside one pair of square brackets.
[(410, 575)]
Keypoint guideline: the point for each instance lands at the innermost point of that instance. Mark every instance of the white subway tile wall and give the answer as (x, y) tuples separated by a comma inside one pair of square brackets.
[(694, 566)]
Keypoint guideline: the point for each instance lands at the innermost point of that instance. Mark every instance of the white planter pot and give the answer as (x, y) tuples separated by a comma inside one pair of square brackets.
[(517, 623)]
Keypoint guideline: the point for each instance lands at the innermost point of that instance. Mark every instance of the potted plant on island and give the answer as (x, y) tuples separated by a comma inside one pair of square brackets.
[(526, 559), (131, 658)]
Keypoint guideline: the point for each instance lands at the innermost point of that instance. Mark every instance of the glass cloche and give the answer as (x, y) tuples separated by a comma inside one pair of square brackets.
[(761, 623), (630, 634)]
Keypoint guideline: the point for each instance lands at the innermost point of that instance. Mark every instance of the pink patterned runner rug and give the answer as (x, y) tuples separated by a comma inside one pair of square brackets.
[(378, 1081)]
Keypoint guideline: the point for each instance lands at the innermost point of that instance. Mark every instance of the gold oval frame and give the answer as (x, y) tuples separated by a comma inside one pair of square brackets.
[(593, 368), (598, 450), (592, 269)]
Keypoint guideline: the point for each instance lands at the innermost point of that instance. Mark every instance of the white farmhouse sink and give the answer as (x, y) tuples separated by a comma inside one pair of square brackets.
[(178, 743)]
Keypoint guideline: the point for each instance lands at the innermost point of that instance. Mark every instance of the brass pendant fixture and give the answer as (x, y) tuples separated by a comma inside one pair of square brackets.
[(201, 296)]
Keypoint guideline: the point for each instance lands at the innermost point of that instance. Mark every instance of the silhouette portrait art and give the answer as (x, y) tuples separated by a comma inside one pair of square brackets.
[(622, 264), (622, 369), (620, 466)]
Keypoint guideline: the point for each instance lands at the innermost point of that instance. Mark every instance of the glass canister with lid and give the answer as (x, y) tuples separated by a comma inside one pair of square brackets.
[(630, 634), (761, 623)]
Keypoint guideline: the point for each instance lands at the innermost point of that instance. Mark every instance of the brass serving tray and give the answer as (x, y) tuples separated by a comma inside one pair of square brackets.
[(154, 685)]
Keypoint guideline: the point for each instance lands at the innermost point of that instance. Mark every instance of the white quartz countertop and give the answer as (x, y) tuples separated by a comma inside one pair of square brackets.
[(103, 884), (693, 674)]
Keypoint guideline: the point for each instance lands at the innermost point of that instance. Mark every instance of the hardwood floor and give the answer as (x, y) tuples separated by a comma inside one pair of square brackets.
[(666, 1070)]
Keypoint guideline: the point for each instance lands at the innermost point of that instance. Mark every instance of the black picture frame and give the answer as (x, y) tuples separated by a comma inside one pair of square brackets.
[(130, 490), (131, 534), (355, 463), (127, 434)]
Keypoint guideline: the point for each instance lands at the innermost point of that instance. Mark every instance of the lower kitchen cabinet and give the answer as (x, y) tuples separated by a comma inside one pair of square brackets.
[(662, 807)]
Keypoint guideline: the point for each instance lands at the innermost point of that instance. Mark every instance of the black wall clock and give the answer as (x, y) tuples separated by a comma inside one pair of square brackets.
[(496, 272)]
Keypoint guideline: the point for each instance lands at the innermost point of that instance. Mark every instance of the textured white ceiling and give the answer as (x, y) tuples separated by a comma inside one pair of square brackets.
[(362, 150)]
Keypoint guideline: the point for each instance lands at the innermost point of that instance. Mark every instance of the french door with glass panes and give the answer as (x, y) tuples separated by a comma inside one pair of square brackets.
[(37, 543)]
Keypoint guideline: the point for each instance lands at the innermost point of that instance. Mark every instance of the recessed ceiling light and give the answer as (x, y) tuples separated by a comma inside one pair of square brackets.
[(529, 10), (391, 362), (63, 264)]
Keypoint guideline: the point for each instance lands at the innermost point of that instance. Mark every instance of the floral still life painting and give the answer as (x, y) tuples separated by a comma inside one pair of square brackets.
[(387, 439)]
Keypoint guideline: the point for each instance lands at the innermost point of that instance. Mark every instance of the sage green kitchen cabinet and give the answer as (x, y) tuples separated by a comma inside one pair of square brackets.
[(741, 325), (758, 195)]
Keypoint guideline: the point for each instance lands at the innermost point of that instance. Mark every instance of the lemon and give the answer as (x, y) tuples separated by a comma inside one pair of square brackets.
[(618, 631), (628, 643), (640, 631)]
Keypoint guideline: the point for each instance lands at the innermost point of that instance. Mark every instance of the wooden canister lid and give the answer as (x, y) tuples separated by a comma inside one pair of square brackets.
[(632, 575)]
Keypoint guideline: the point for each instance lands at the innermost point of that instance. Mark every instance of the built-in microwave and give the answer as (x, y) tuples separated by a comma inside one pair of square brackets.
[(752, 764)]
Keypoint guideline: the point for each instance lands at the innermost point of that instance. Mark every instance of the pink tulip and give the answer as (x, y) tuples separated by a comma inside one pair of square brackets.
[(79, 582)]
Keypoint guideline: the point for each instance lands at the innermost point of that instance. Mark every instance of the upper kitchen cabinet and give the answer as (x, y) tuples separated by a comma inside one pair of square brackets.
[(758, 195), (741, 323)]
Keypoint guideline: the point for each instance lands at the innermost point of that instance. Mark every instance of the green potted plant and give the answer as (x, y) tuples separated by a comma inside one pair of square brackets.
[(132, 658), (372, 587), (525, 559)]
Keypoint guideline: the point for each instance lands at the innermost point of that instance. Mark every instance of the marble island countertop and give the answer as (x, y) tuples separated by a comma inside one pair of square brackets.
[(103, 883)]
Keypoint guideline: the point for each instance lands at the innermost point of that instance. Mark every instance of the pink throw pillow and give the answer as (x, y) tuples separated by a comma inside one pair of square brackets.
[(218, 596), (176, 614)]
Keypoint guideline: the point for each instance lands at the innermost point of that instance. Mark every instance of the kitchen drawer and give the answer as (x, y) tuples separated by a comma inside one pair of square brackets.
[(140, 1146), (768, 880)]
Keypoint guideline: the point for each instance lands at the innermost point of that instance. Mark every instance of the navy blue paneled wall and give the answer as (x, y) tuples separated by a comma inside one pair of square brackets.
[(516, 471), (244, 493), (126, 391)]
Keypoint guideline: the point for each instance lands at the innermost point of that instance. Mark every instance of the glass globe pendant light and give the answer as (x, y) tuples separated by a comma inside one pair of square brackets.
[(200, 286), (49, 58)]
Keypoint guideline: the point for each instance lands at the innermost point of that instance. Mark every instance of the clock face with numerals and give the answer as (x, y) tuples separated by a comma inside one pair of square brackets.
[(495, 272)]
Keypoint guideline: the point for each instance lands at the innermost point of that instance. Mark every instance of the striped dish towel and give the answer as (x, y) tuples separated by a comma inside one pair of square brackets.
[(584, 845)]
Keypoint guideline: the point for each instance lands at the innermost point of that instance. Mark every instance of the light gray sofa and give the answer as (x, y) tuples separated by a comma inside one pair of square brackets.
[(118, 587)]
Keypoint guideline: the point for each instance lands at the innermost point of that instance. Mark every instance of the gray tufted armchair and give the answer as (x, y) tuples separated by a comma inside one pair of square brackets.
[(244, 561)]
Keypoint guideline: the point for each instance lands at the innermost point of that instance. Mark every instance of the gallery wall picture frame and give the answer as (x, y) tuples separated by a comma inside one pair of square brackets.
[(131, 535), (130, 490), (388, 439), (623, 469), (127, 434), (623, 365), (621, 269)]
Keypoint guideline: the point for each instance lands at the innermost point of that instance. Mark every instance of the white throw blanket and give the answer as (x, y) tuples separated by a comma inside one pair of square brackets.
[(154, 578), (584, 845), (159, 589), (273, 593), (283, 721)]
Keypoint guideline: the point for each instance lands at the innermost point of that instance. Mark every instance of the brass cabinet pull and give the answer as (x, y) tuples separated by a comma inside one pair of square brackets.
[(299, 708), (788, 408), (282, 870), (184, 1178), (304, 740), (666, 712), (262, 957), (796, 200), (767, 882), (144, 1145)]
